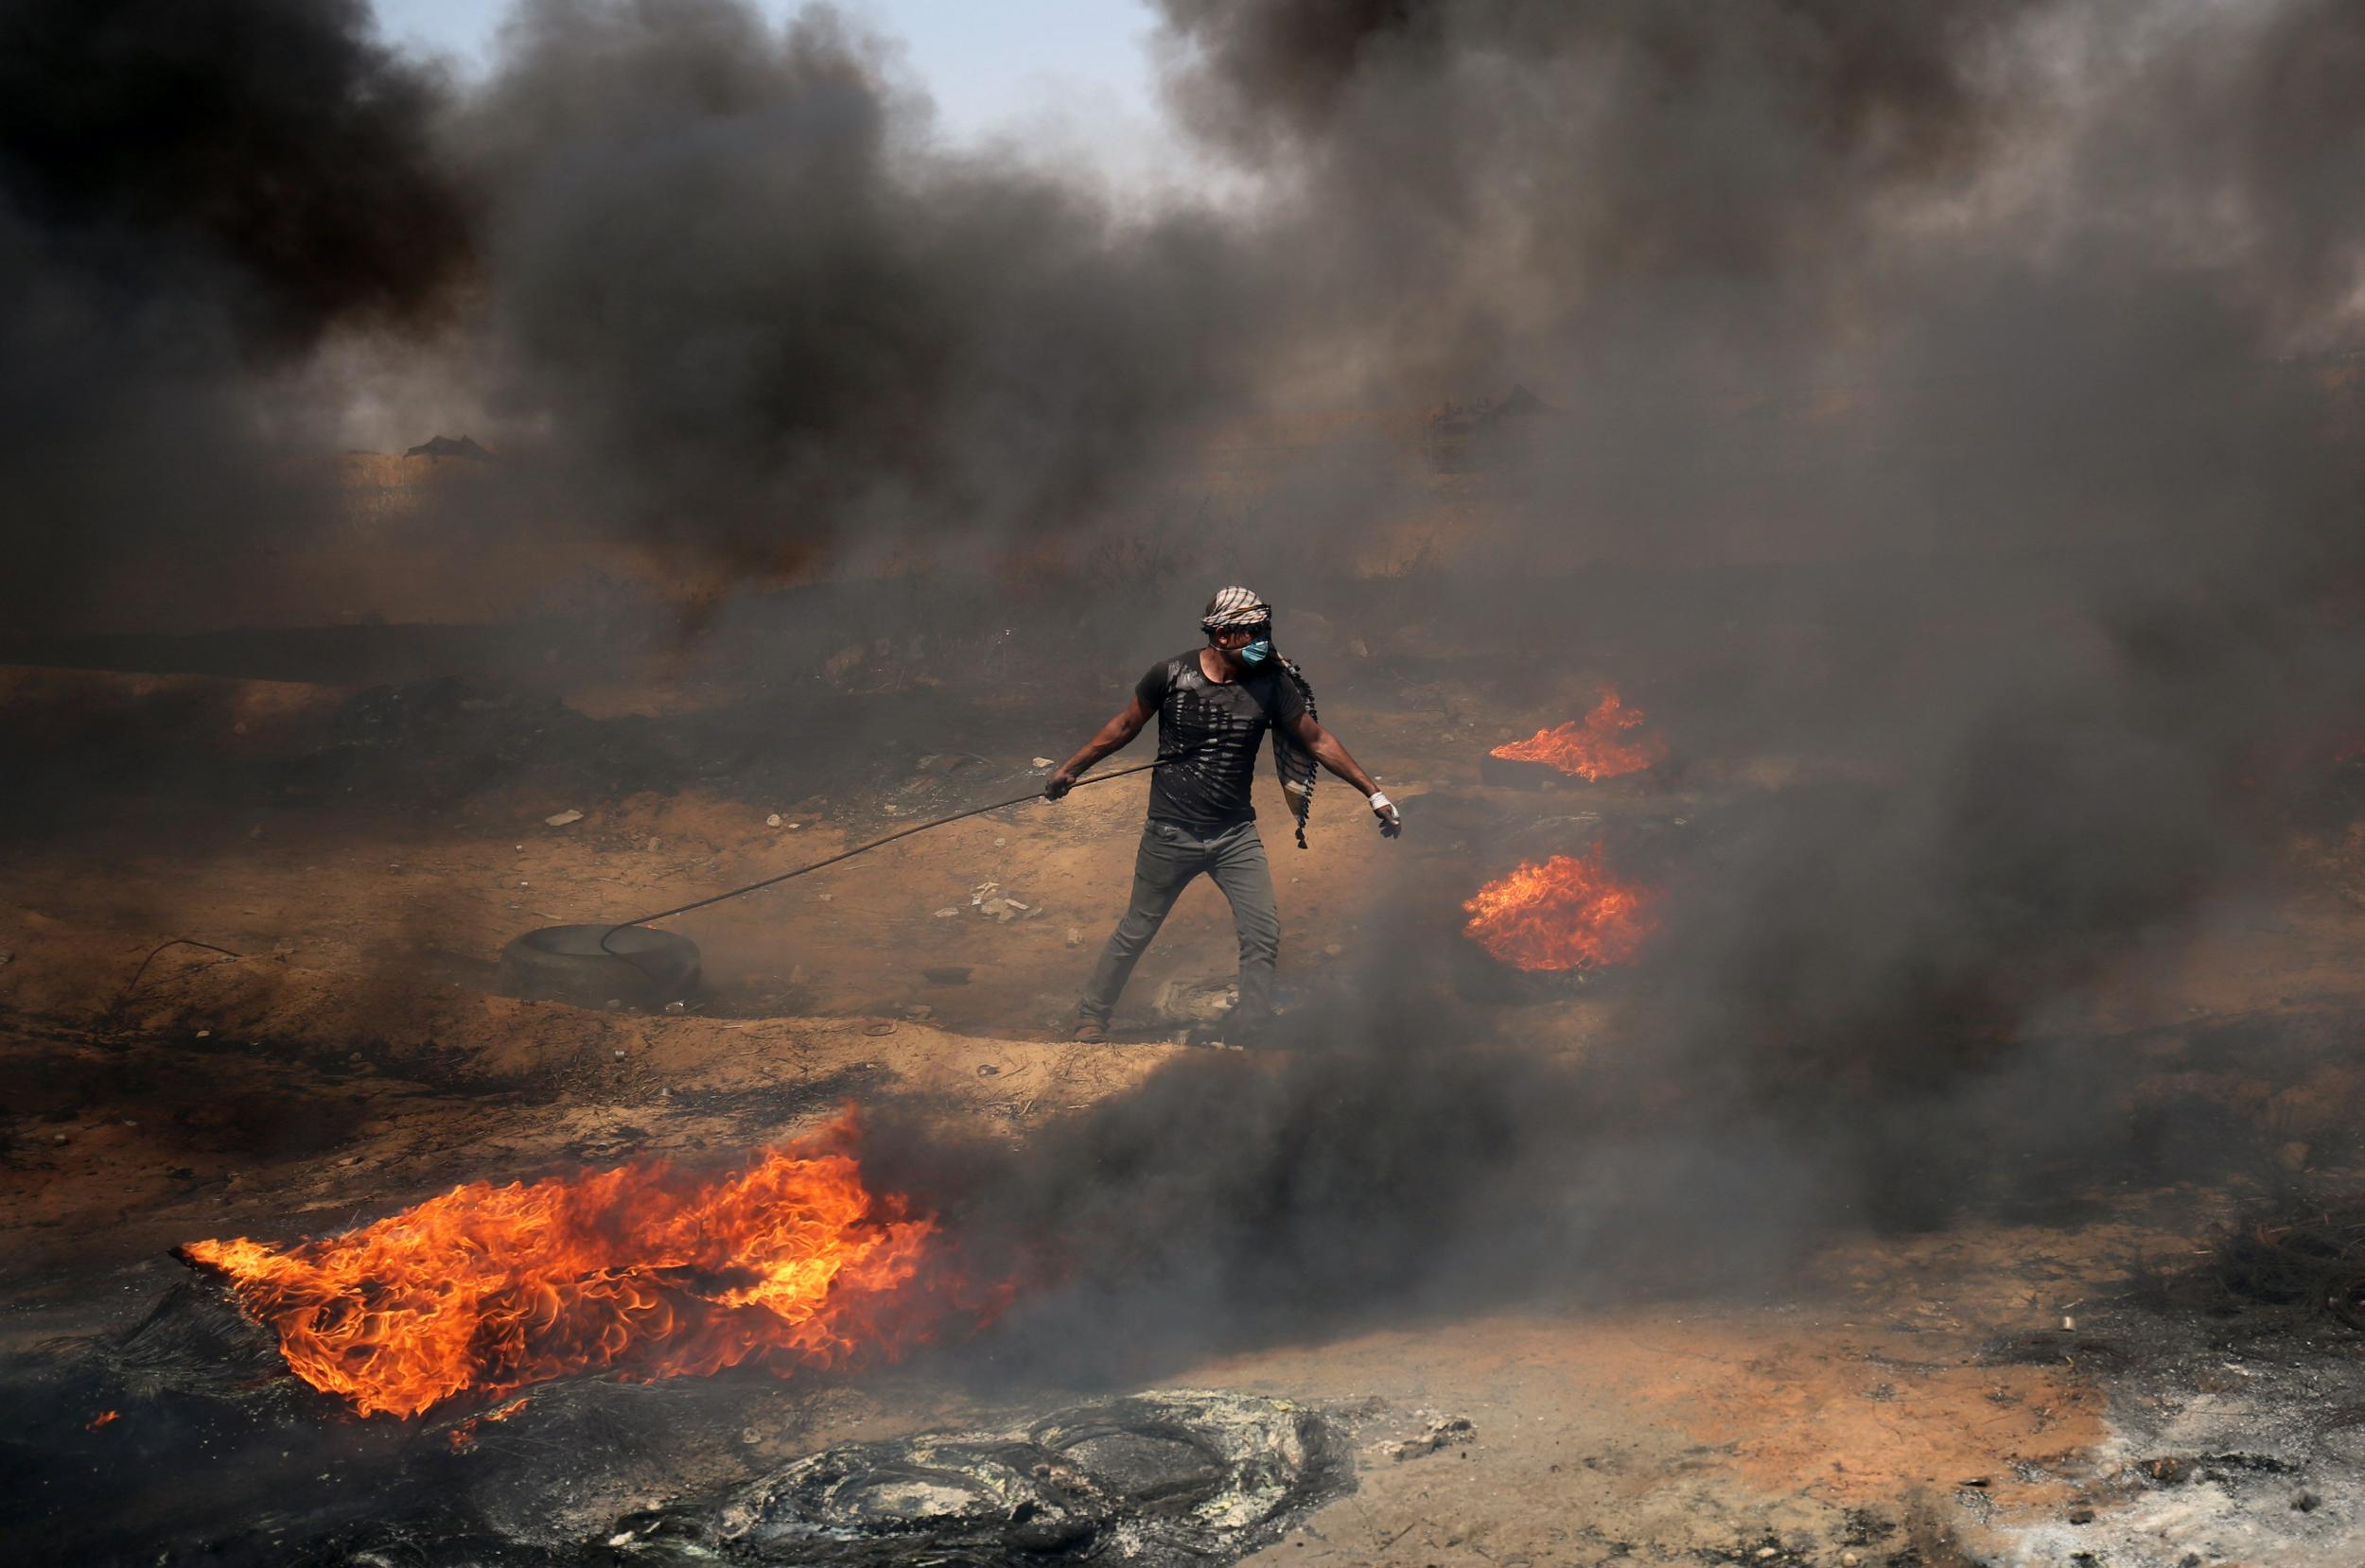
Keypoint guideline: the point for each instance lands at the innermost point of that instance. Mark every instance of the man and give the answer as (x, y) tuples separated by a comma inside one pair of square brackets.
[(1214, 705)]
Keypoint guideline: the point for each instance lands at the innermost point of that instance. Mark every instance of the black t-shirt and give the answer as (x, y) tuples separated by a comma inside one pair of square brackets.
[(1209, 790)]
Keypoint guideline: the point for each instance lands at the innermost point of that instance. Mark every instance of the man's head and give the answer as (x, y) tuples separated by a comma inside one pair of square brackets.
[(1239, 624)]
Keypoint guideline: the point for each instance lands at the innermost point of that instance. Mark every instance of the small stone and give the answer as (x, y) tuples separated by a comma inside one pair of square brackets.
[(654, 846), (1765, 1552), (825, 898), (1849, 1560), (948, 913), (919, 1012), (792, 827), (562, 819), (1045, 762), (2081, 1515), (986, 1070), (1075, 937), (620, 1052), (2307, 1501), (204, 1034), (57, 1138), (772, 821), (1001, 843)]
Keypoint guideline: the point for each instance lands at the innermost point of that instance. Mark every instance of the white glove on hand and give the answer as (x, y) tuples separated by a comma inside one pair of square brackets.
[(1391, 820)]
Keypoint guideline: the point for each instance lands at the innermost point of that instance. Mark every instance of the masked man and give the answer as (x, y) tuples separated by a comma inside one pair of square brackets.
[(1214, 705)]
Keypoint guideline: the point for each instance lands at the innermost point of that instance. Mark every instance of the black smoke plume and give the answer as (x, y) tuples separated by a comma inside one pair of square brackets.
[(191, 199), (765, 319), (2011, 340)]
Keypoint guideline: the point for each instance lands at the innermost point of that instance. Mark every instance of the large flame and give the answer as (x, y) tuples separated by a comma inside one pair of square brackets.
[(1564, 914), (1600, 745), (645, 1271)]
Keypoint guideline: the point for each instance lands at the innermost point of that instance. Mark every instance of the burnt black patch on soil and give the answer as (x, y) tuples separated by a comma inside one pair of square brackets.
[(2292, 1262), (254, 1105), (184, 1438)]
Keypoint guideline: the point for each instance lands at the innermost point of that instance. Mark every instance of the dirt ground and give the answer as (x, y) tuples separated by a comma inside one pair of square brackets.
[(327, 1042)]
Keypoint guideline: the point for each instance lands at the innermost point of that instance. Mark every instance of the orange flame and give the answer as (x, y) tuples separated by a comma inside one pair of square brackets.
[(105, 1418), (1565, 914), (642, 1270), (1594, 747)]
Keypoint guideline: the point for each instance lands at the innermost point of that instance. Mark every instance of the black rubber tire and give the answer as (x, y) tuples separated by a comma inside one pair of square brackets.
[(640, 967)]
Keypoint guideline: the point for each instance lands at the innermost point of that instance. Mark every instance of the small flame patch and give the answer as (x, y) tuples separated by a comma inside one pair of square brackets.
[(1600, 745), (1567, 913)]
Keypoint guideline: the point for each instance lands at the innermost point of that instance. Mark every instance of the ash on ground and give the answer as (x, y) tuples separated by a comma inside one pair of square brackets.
[(2236, 1391)]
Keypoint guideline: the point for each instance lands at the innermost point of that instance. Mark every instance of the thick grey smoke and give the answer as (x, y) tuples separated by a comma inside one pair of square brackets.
[(191, 199), (2010, 335), (1815, 276), (762, 317), (1806, 276)]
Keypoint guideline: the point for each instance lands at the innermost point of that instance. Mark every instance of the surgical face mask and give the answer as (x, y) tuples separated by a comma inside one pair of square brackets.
[(1256, 652)]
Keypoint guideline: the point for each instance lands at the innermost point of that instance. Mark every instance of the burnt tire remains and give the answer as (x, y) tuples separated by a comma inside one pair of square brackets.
[(1170, 1476)]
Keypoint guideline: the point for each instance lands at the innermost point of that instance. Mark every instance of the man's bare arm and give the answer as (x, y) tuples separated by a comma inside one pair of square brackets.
[(1330, 754), (1114, 735)]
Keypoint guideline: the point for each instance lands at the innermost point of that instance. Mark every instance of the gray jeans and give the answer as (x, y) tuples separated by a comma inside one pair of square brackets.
[(1170, 855)]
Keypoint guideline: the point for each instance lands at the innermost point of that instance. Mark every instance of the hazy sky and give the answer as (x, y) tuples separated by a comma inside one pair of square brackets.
[(991, 65)]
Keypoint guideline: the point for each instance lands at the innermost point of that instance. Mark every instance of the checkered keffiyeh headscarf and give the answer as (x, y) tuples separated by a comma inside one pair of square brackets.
[(1236, 607)]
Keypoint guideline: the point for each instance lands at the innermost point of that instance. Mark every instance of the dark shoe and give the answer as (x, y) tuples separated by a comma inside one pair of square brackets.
[(1090, 1031)]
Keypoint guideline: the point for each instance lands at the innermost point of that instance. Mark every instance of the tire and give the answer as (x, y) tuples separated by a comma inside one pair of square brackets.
[(641, 966)]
